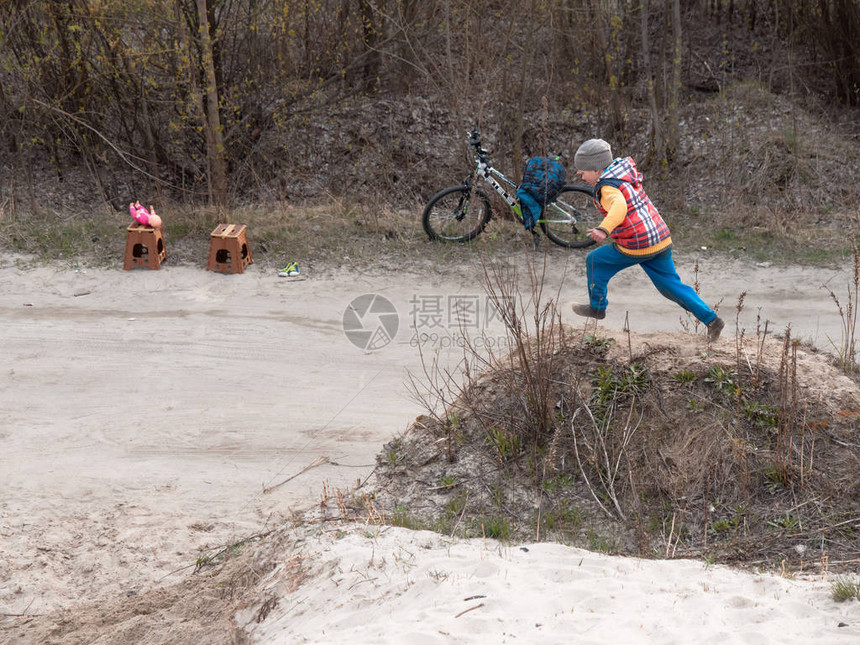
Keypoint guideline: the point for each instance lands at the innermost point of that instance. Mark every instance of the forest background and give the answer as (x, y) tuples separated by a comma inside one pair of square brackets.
[(344, 116)]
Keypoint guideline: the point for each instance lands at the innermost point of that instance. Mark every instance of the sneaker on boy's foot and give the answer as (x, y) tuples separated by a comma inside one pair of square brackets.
[(589, 312), (715, 327)]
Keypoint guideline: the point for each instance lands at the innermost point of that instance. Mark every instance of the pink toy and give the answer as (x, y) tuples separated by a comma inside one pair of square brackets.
[(143, 216)]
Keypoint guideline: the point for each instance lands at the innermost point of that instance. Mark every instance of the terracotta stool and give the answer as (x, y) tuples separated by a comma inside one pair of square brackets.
[(228, 249), (144, 247)]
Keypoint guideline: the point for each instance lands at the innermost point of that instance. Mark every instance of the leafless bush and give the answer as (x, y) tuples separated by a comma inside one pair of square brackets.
[(604, 452), (525, 374)]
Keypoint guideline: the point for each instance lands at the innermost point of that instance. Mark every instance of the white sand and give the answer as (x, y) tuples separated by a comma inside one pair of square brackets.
[(400, 586)]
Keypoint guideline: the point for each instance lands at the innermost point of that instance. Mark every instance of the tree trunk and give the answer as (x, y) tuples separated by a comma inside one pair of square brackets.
[(674, 135), (656, 151), (370, 42), (215, 153)]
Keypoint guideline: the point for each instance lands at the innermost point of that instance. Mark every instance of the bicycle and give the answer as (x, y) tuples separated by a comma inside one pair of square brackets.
[(460, 213)]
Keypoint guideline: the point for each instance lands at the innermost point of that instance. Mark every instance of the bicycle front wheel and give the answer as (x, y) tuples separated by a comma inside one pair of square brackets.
[(567, 218), (456, 214)]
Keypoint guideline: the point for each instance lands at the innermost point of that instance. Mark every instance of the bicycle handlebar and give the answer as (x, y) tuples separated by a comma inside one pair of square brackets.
[(474, 139)]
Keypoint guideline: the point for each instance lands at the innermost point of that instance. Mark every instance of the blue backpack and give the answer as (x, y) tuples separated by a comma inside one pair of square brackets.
[(543, 180)]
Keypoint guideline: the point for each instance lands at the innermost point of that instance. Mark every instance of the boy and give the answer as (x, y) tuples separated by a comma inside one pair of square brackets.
[(639, 234)]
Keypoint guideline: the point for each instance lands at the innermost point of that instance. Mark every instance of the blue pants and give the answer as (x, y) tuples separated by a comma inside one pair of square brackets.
[(605, 261)]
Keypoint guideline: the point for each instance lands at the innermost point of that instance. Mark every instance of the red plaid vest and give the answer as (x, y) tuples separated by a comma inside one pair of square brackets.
[(642, 227)]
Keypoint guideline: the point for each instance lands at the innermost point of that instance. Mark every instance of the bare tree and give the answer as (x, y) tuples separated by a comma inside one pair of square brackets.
[(656, 149), (215, 153), (674, 107)]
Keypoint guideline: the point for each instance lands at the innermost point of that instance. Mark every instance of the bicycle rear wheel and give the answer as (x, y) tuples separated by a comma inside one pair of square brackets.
[(567, 218), (456, 214)]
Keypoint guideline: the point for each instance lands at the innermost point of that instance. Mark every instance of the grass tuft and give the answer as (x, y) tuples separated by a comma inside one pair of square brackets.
[(843, 589)]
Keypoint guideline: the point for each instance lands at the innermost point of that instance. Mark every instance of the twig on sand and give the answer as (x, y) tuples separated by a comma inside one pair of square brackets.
[(466, 611), (319, 461), (24, 614), (360, 581)]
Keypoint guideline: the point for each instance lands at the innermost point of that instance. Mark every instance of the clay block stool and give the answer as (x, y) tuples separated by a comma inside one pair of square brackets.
[(228, 249), (144, 247)]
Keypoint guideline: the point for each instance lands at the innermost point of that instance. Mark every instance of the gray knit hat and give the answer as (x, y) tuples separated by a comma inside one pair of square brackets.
[(594, 154)]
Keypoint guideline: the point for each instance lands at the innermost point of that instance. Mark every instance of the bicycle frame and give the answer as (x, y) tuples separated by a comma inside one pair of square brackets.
[(489, 174), (485, 170)]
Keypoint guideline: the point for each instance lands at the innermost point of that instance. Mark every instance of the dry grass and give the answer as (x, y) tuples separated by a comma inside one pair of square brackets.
[(325, 236), (846, 346)]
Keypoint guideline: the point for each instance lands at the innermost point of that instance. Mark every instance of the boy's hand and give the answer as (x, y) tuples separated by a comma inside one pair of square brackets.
[(596, 234)]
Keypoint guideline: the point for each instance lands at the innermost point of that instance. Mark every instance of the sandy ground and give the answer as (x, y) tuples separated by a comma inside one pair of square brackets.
[(401, 586), (149, 414)]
